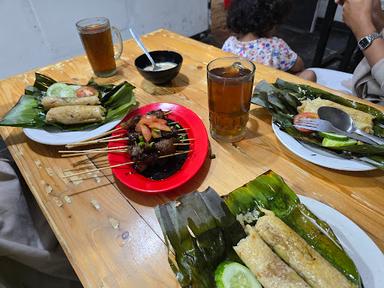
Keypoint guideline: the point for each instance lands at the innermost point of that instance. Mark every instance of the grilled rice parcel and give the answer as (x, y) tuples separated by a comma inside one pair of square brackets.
[(259, 235)]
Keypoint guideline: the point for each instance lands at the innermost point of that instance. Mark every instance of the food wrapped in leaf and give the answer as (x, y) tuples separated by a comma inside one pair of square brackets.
[(285, 100), (314, 269), (270, 270), (201, 232), (112, 102)]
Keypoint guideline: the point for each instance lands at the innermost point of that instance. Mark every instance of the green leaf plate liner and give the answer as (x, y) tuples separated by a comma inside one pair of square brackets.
[(29, 113)]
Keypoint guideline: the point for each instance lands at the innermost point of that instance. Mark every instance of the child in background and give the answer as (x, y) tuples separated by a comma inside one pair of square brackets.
[(254, 23)]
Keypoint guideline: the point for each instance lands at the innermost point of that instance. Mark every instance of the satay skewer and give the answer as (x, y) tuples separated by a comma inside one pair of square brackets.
[(108, 139), (72, 153), (123, 164), (96, 141), (112, 131)]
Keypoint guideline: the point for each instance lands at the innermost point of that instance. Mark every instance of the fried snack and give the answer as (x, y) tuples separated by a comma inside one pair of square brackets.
[(268, 268), (77, 114), (293, 249), (49, 102)]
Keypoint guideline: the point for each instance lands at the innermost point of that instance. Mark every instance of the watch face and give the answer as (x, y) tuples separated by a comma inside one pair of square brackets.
[(363, 43)]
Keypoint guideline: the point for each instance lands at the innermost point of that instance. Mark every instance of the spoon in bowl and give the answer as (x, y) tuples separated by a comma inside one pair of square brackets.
[(343, 121), (141, 45)]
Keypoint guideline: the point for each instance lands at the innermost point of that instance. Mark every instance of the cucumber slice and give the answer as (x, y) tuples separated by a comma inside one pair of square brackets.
[(327, 142), (235, 275), (333, 136), (61, 90)]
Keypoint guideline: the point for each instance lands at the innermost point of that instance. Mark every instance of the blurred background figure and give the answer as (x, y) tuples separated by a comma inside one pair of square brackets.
[(254, 23), (366, 20)]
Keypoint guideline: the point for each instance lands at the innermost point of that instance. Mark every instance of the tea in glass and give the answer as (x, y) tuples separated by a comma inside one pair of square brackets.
[(230, 83), (96, 36)]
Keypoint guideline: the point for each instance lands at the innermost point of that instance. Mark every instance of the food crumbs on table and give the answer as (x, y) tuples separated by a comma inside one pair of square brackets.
[(38, 164), (115, 223), (122, 239), (48, 188), (50, 171), (95, 204), (58, 202), (97, 179), (67, 199), (125, 235)]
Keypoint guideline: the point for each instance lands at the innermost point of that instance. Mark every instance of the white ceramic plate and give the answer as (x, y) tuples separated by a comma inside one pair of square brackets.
[(64, 138), (367, 256), (319, 156)]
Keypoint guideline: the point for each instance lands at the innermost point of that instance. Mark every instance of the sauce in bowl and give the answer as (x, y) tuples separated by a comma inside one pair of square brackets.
[(161, 66)]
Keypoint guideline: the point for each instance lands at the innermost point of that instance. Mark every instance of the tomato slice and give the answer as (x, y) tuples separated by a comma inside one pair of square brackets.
[(304, 115), (145, 131), (86, 91)]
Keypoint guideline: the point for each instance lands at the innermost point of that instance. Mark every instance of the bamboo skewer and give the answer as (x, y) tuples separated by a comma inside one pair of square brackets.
[(123, 164), (108, 139), (96, 149), (72, 153), (84, 143), (92, 152)]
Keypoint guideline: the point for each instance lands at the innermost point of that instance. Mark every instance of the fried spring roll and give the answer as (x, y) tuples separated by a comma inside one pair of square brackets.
[(50, 102), (77, 114), (305, 260), (268, 268)]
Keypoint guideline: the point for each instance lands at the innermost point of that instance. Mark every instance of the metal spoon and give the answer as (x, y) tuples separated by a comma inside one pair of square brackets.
[(343, 121), (141, 45)]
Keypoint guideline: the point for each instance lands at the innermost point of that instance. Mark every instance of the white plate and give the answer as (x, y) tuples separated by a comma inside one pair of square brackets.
[(319, 156), (367, 256), (68, 137)]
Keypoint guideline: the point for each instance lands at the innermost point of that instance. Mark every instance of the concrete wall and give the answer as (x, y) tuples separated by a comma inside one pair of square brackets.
[(35, 33)]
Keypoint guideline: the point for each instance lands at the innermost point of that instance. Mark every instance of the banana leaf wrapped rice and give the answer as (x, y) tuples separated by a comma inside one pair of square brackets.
[(59, 106), (284, 100), (202, 230)]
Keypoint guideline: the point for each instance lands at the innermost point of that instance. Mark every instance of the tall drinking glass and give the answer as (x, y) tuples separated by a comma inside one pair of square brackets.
[(96, 35), (230, 82)]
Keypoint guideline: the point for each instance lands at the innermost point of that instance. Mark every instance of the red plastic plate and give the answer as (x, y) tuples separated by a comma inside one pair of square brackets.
[(196, 158)]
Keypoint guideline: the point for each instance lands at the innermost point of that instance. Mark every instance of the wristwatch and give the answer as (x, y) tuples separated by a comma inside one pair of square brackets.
[(366, 41)]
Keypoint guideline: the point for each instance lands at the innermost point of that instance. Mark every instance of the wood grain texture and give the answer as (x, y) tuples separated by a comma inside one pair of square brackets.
[(120, 245)]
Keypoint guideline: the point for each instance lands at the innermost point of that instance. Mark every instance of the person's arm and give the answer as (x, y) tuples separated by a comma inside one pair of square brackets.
[(357, 14), (378, 15), (298, 67)]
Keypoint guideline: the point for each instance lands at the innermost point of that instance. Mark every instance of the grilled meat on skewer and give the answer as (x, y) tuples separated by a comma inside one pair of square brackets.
[(165, 146), (158, 113)]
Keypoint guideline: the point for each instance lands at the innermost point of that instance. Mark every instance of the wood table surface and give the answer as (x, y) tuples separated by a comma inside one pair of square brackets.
[(110, 233)]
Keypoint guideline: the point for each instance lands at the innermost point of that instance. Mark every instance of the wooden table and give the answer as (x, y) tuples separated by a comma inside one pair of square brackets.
[(120, 243)]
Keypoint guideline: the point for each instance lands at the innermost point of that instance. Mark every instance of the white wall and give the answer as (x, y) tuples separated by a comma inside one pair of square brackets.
[(35, 33)]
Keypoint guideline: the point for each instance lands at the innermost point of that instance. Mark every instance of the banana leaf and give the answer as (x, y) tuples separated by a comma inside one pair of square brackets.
[(269, 191), (200, 232), (200, 229), (29, 113), (282, 100)]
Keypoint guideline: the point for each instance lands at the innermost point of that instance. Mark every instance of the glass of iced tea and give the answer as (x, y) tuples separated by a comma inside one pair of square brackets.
[(230, 82), (96, 35)]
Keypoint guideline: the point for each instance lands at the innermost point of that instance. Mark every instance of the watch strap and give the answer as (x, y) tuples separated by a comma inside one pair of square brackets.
[(366, 41)]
